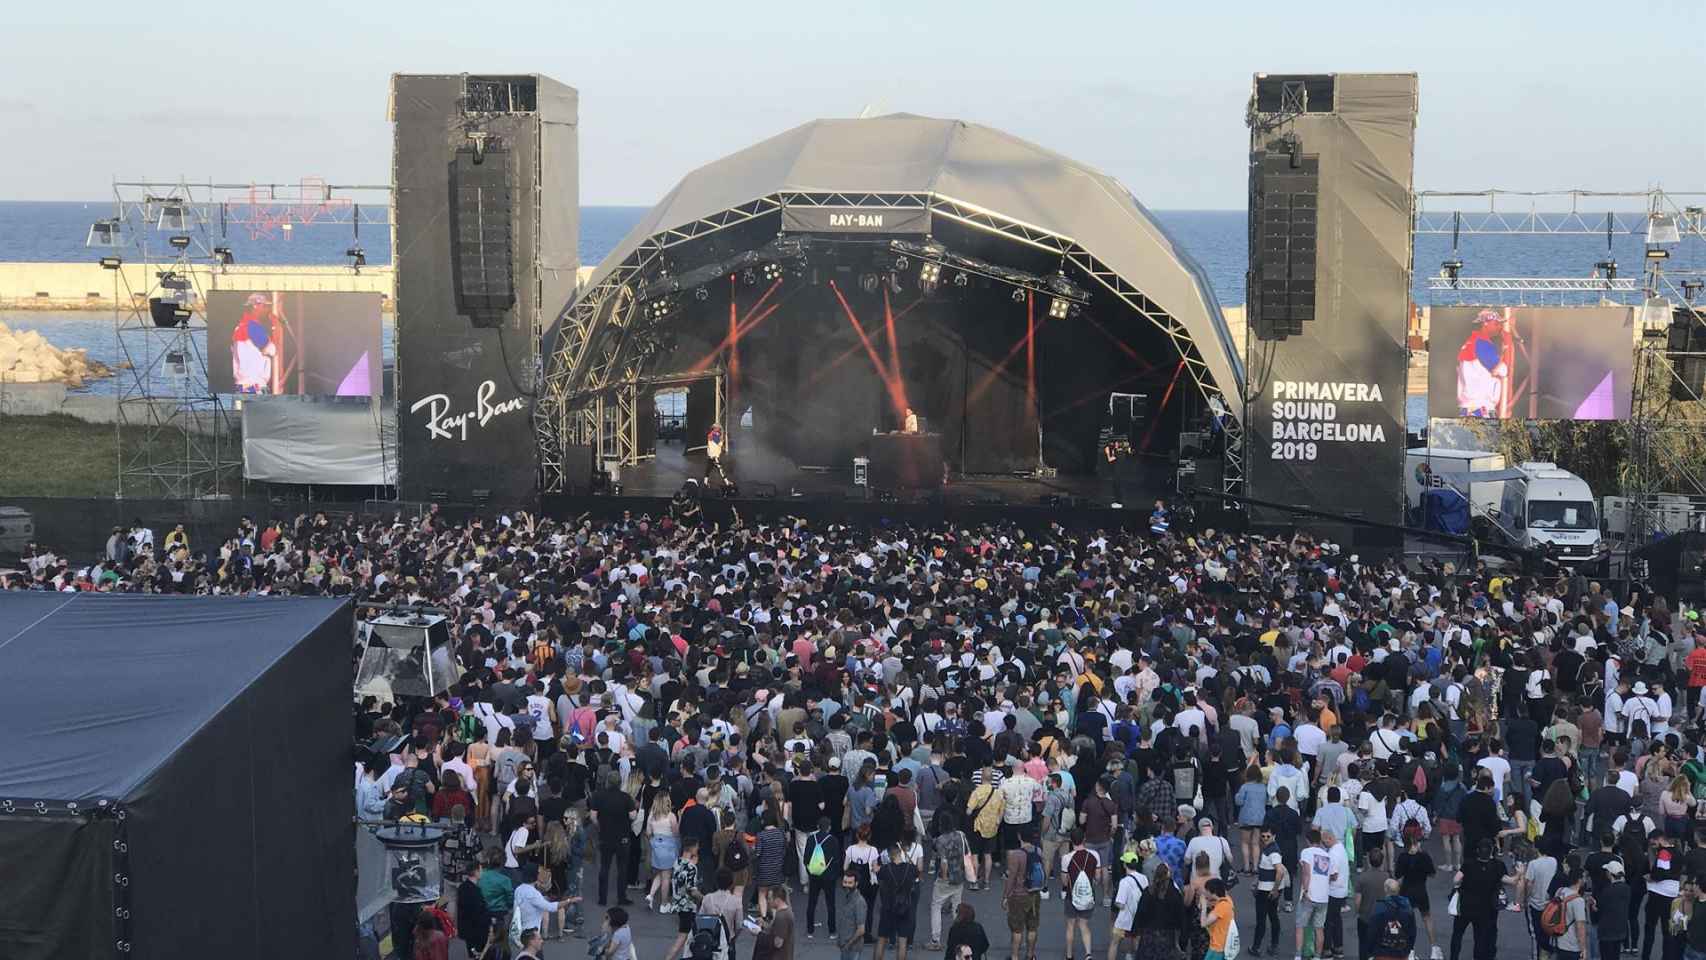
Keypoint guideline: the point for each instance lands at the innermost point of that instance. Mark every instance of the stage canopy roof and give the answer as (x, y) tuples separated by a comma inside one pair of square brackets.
[(977, 168)]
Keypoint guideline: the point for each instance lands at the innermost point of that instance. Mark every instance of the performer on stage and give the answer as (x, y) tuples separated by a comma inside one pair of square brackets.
[(254, 348), (909, 423), (1484, 365), (1113, 452), (714, 455)]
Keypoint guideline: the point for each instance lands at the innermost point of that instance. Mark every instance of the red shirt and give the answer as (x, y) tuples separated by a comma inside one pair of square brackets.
[(1697, 667)]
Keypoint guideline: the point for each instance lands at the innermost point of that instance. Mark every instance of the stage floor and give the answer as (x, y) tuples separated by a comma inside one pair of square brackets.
[(760, 475)]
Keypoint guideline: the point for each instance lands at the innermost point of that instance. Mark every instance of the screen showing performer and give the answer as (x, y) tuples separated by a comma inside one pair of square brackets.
[(272, 343), (1530, 363)]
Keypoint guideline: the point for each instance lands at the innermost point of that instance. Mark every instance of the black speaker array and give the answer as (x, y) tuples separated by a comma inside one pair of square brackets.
[(1686, 350), (482, 248), (1284, 191)]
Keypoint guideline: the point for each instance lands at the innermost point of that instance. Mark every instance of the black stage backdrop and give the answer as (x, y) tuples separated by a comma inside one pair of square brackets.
[(1327, 407), (815, 393)]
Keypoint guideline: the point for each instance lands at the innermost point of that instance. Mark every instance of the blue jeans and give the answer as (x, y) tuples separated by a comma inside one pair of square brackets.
[(1520, 769)]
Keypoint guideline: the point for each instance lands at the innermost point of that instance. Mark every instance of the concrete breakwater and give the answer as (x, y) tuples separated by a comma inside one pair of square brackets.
[(89, 286)]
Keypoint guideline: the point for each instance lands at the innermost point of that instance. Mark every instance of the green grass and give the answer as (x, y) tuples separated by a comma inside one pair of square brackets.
[(61, 456)]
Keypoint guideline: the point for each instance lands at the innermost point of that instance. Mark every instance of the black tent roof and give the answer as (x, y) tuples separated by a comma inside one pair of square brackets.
[(103, 689)]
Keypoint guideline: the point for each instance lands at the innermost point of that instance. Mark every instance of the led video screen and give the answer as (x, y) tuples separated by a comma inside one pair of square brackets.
[(1531, 363), (275, 343)]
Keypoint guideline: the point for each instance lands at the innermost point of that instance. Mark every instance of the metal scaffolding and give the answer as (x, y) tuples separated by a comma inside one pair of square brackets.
[(1665, 406), (176, 437)]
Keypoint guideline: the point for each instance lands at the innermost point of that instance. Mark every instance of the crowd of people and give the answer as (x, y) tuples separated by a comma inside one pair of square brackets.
[(748, 720)]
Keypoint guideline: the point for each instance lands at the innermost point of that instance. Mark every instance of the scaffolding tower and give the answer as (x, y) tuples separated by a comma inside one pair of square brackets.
[(168, 243), (1666, 410)]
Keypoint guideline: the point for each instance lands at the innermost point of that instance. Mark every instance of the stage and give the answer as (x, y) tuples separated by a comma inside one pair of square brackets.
[(762, 475)]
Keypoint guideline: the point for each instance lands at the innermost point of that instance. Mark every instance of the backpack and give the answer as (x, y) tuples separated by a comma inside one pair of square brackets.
[(1066, 820), (1234, 944), (1034, 878), (470, 729), (735, 858), (708, 938), (1083, 892), (817, 863), (1555, 916), (955, 861)]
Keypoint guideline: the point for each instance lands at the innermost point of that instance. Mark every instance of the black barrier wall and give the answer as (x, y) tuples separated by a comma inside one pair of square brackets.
[(465, 380), (1326, 406)]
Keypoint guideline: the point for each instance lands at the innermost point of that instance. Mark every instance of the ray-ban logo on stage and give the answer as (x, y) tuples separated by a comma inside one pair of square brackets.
[(441, 424)]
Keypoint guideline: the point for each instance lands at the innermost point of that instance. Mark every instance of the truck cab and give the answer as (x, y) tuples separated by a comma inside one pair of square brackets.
[(1547, 505)]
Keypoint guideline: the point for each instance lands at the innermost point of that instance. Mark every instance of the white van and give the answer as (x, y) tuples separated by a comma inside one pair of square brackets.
[(1549, 505)]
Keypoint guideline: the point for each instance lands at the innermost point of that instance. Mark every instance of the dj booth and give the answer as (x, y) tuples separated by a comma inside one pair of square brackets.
[(906, 461)]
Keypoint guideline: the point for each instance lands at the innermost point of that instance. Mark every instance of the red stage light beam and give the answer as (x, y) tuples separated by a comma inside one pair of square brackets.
[(1149, 434), (895, 397), (1030, 350), (746, 324), (1020, 344), (894, 354)]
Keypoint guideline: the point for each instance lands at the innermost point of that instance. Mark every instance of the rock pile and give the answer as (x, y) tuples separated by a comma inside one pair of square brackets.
[(27, 357)]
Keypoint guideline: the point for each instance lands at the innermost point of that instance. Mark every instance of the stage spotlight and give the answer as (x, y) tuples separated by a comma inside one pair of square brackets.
[(701, 294), (1658, 253), (748, 277), (1607, 269), (1450, 269), (104, 233), (167, 313), (179, 242), (930, 272), (960, 279), (894, 283), (659, 308), (772, 271), (111, 263), (1018, 294), (170, 280), (173, 216), (1057, 308), (357, 257), (1692, 288), (224, 255), (902, 264), (868, 282)]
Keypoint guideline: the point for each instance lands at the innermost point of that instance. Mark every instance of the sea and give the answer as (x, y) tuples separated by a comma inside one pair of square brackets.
[(1216, 239)]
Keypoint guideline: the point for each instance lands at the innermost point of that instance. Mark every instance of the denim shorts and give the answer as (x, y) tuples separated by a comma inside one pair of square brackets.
[(1311, 914)]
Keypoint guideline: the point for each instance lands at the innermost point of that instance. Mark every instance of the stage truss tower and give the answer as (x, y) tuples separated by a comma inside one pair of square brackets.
[(167, 244), (1670, 283)]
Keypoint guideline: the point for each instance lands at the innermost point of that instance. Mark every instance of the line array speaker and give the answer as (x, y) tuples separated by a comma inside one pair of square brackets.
[(1284, 198), (482, 216)]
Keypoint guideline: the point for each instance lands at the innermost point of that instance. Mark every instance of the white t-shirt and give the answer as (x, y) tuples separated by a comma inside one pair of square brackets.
[(1316, 865), (539, 708), (1500, 768), (1309, 739), (1216, 848), (517, 840), (1191, 718), (1373, 810), (1339, 883), (1626, 780), (1129, 895)]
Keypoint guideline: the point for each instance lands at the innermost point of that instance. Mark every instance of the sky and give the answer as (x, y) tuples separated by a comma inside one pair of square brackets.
[(1518, 94)]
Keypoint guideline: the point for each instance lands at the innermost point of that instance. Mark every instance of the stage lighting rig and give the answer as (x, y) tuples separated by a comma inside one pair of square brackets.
[(1451, 269), (179, 242), (772, 272), (357, 257), (1658, 253), (1692, 288), (702, 294), (224, 255), (930, 272), (104, 233), (1058, 308), (111, 263), (660, 308), (869, 282), (960, 278), (1607, 269), (1018, 294), (748, 277)]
